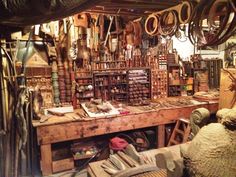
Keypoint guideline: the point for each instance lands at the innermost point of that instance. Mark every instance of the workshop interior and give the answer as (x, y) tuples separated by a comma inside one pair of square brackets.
[(118, 88)]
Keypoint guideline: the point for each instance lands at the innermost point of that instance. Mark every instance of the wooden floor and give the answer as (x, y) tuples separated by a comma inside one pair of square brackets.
[(83, 173)]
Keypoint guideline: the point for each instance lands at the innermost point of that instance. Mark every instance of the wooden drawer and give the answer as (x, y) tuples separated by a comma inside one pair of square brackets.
[(62, 165)]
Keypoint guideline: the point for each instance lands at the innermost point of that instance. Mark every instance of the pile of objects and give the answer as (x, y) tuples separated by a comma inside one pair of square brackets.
[(128, 163), (97, 106)]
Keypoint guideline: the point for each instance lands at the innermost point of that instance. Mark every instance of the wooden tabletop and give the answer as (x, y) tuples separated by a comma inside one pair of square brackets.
[(133, 110)]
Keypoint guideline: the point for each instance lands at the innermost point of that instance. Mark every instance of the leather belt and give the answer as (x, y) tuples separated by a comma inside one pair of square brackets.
[(137, 33), (165, 28), (184, 13), (157, 23), (151, 25)]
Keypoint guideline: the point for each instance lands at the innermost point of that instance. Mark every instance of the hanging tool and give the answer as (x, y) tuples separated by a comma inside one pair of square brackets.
[(108, 31), (109, 28)]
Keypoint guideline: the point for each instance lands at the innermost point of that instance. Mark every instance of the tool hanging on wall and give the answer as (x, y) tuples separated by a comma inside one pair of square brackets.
[(108, 31), (137, 33), (72, 54), (81, 20), (101, 25)]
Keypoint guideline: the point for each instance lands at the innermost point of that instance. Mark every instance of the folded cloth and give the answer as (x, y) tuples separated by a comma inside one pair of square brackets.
[(118, 144)]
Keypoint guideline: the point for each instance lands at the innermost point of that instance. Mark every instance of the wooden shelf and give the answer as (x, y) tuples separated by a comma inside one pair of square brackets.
[(84, 77), (175, 85), (101, 85), (109, 61), (119, 84), (139, 83), (121, 93), (81, 157), (85, 97), (83, 84)]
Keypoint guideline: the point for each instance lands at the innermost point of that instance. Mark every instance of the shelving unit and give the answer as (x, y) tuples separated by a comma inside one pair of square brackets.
[(123, 85), (159, 84), (118, 86), (110, 64), (174, 84), (111, 85), (84, 86), (139, 80), (214, 66), (101, 85)]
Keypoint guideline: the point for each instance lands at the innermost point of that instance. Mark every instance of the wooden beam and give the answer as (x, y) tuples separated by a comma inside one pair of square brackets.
[(143, 2), (112, 9), (155, 8), (46, 159), (129, 5), (113, 12), (161, 136)]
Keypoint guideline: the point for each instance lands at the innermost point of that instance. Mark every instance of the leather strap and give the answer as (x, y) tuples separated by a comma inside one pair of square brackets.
[(185, 11), (129, 28), (223, 22), (151, 25), (217, 33), (165, 28), (137, 33)]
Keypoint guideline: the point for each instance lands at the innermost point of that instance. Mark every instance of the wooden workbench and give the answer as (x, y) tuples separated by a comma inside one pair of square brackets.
[(59, 129)]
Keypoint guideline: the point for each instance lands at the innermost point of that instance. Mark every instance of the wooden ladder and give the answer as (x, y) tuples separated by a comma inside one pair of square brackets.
[(180, 133)]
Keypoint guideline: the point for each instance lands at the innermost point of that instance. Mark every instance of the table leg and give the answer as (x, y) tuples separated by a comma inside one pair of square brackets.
[(161, 136), (46, 159)]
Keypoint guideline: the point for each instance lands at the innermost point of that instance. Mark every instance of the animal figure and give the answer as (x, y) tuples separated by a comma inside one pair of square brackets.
[(212, 152)]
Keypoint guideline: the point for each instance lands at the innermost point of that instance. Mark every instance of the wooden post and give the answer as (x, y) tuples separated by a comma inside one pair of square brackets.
[(46, 159), (160, 136)]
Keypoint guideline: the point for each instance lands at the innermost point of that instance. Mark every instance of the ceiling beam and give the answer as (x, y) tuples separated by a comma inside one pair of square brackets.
[(133, 6), (113, 12), (144, 2)]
